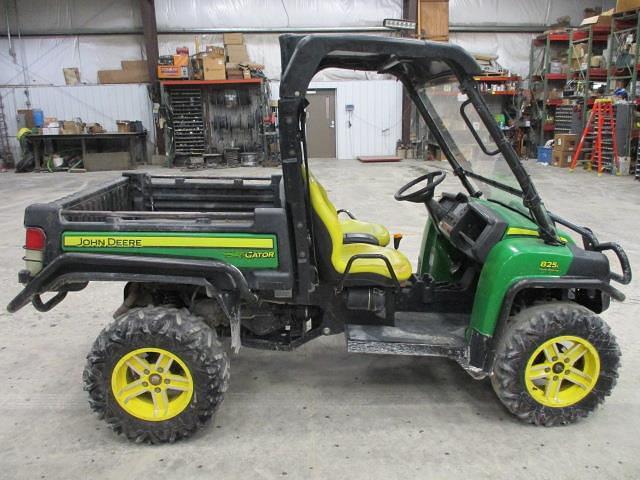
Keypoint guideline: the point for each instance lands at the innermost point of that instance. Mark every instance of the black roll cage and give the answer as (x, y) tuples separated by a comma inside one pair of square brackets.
[(413, 62)]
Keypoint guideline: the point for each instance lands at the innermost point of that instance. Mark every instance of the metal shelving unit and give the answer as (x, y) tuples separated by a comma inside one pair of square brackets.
[(623, 60), (593, 39), (541, 78), (624, 63)]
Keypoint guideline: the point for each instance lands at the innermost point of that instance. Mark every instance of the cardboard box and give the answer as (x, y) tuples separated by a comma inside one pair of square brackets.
[(214, 68), (436, 25), (561, 158), (28, 118), (233, 39), (237, 54), (603, 19), (215, 51), (626, 5), (123, 126), (554, 93), (591, 12), (173, 72), (72, 128), (71, 76), (123, 76), (578, 51), (95, 128), (564, 141), (181, 60), (134, 65), (235, 74)]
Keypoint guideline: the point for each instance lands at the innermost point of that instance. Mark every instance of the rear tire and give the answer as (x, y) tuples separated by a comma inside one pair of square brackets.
[(127, 356), (545, 388)]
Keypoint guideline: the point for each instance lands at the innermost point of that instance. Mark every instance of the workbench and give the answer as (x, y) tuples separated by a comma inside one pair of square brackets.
[(132, 139)]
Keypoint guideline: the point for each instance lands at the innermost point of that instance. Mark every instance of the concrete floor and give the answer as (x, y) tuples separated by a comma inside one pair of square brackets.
[(318, 412)]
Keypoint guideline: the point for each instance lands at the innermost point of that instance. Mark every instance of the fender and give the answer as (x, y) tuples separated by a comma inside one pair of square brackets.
[(70, 269), (562, 283), (481, 346)]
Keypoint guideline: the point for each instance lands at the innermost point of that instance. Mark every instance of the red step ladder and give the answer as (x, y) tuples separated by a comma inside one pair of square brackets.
[(600, 130)]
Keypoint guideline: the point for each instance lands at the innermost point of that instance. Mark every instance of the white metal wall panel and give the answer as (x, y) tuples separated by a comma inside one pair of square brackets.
[(275, 13), (375, 125), (103, 104), (45, 57), (376, 122)]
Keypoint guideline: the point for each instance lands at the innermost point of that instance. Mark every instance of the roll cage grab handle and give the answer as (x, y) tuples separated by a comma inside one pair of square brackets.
[(463, 114), (530, 196)]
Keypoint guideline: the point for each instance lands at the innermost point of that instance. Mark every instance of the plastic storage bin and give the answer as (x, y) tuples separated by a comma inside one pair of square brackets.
[(544, 155), (38, 117)]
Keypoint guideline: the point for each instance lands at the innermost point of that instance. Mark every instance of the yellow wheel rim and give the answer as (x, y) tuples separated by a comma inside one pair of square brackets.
[(562, 371), (152, 384)]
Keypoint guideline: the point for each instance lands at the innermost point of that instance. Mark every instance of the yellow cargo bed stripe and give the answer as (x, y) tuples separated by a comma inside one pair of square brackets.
[(165, 241)]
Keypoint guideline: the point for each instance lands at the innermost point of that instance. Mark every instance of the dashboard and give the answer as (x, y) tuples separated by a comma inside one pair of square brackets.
[(470, 226)]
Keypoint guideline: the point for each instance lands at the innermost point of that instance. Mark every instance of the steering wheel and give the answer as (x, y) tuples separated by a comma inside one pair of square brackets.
[(425, 193)]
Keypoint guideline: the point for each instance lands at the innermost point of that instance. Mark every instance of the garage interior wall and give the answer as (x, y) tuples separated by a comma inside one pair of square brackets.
[(37, 62)]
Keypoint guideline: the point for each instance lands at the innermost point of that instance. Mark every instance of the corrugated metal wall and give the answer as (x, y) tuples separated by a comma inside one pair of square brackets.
[(374, 126), (103, 104)]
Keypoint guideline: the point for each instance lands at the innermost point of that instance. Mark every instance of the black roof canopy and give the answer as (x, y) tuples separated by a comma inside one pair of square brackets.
[(304, 55)]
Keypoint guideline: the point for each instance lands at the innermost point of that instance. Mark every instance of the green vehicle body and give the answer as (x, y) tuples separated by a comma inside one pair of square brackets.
[(521, 254)]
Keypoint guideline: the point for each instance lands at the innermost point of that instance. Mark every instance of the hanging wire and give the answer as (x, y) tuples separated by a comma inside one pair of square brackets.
[(286, 13), (23, 58)]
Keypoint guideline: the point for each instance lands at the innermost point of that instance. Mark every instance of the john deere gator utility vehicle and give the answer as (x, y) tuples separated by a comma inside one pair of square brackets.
[(501, 286)]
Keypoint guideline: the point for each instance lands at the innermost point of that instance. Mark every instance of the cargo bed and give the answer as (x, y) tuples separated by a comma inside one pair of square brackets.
[(240, 222), (144, 196)]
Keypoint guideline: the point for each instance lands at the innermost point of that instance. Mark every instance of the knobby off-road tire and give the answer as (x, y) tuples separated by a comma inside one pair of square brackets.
[(535, 327), (192, 347)]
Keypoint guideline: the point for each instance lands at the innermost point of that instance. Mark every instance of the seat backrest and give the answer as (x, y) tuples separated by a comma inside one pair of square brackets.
[(327, 219)]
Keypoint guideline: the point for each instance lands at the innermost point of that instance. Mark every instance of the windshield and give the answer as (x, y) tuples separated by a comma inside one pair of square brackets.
[(443, 100)]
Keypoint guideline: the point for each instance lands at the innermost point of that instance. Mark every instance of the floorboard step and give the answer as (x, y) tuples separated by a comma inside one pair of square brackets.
[(414, 333)]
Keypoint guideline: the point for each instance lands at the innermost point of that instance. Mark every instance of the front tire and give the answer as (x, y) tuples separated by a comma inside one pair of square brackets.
[(156, 374), (555, 363)]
